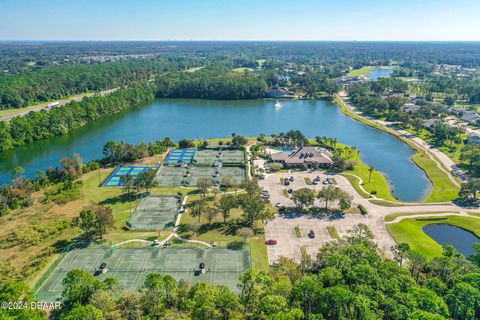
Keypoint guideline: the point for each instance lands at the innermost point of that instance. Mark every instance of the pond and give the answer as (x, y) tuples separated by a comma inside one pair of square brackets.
[(380, 72), (195, 119), (460, 238)]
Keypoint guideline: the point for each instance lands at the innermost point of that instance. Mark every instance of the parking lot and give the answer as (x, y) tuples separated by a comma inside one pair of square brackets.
[(282, 228)]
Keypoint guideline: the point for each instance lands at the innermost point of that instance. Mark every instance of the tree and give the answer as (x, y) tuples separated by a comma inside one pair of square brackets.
[(185, 144), (211, 213), (78, 286), (204, 184), (127, 181), (328, 194), (86, 221), (471, 154), (146, 180), (19, 291), (198, 209), (94, 222), (304, 197), (370, 171), (470, 189), (239, 140), (227, 202), (84, 312), (194, 226), (245, 233), (103, 220), (400, 252)]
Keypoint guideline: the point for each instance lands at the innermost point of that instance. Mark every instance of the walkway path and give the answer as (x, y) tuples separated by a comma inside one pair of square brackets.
[(445, 214)]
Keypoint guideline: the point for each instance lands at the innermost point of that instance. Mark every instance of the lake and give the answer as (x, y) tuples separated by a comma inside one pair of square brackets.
[(195, 119), (380, 72), (460, 238)]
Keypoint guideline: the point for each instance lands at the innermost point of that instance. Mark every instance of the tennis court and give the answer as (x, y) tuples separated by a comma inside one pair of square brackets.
[(180, 156), (113, 180), (154, 212), (189, 176), (131, 266), (214, 157)]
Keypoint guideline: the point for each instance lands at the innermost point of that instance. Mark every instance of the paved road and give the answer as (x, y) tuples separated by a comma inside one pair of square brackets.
[(61, 103), (282, 227)]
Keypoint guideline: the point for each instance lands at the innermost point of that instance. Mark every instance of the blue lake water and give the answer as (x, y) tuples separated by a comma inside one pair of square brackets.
[(461, 239), (183, 118), (380, 72)]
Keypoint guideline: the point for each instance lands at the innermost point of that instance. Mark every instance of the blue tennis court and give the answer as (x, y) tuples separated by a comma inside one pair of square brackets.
[(180, 156), (113, 180)]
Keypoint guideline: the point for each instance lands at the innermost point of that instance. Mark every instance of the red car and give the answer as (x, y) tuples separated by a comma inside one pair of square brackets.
[(271, 242)]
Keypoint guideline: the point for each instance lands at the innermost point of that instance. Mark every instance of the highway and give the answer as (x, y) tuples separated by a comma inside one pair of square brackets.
[(47, 106)]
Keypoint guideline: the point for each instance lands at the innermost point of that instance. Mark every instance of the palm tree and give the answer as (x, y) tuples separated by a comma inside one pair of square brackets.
[(370, 171)]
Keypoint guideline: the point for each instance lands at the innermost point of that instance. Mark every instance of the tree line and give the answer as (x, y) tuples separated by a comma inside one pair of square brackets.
[(211, 83), (22, 90), (61, 120)]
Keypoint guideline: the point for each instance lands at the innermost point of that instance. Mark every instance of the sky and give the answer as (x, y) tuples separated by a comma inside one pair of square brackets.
[(342, 20)]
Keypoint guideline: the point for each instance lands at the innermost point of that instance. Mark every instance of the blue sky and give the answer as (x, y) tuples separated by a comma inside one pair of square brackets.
[(239, 20)]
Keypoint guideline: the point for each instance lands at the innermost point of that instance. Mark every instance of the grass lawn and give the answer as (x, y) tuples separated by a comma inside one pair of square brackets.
[(332, 231), (378, 184), (222, 234), (362, 72), (443, 188), (122, 209), (242, 69), (393, 216), (298, 233), (354, 181), (410, 231)]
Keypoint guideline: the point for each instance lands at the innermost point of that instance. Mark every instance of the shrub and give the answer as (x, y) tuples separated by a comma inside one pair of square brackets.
[(362, 209)]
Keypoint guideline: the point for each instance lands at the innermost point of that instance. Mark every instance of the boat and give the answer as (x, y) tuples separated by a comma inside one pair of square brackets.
[(277, 104)]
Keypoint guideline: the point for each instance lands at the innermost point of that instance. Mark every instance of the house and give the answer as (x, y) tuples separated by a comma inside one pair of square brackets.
[(304, 157), (429, 123), (277, 92), (471, 117), (474, 138), (410, 108)]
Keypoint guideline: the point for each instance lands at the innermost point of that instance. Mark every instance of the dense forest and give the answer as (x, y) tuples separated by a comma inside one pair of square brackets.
[(211, 84), (349, 279), (54, 83), (58, 121), (36, 72)]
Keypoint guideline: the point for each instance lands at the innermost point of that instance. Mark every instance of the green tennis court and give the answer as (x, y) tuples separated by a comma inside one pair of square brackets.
[(212, 157), (189, 176), (154, 212), (131, 266)]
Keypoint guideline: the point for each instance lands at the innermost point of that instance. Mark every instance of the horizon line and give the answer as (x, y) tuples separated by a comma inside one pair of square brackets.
[(222, 40)]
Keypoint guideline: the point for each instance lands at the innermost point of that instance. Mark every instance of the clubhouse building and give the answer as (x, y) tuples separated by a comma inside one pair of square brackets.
[(304, 157)]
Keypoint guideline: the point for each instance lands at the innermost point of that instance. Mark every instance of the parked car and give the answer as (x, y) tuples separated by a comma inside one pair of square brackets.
[(278, 205), (290, 190), (271, 242), (311, 234), (287, 183), (291, 178), (315, 182), (325, 182)]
